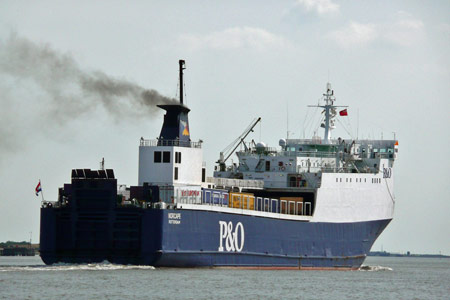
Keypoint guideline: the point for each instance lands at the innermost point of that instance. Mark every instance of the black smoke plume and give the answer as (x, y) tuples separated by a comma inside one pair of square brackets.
[(42, 74), (68, 85)]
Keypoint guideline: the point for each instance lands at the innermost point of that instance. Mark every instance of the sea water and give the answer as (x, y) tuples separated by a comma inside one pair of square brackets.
[(380, 278)]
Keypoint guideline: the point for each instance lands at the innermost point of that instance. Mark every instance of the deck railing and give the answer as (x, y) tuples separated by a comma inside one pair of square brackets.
[(236, 182), (162, 142)]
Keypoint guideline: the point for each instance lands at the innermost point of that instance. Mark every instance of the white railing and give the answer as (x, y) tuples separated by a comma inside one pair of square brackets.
[(162, 142), (245, 183)]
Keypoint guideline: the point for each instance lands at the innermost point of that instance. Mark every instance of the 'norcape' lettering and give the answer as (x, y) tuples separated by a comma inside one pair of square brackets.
[(229, 237)]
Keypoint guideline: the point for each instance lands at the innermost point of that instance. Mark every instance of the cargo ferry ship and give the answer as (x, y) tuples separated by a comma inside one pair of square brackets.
[(315, 203)]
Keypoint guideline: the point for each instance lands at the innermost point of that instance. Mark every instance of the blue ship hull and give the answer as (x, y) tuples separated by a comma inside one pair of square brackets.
[(189, 238)]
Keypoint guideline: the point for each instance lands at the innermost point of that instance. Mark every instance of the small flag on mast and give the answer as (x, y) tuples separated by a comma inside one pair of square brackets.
[(343, 113), (38, 188)]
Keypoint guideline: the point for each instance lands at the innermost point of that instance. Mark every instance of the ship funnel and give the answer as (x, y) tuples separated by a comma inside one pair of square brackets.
[(175, 129)]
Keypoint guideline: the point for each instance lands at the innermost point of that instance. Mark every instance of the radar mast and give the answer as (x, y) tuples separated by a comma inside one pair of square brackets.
[(330, 113)]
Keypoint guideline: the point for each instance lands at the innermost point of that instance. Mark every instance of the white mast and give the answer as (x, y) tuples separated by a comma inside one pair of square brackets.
[(330, 113)]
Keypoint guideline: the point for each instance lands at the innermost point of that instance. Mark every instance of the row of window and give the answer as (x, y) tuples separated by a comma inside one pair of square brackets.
[(374, 180), (164, 157), (363, 150), (303, 164), (159, 157)]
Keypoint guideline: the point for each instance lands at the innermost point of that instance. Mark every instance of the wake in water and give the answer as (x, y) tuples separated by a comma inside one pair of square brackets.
[(104, 266), (374, 268)]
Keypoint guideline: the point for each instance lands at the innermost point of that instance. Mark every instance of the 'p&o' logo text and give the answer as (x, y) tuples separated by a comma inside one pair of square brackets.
[(233, 238)]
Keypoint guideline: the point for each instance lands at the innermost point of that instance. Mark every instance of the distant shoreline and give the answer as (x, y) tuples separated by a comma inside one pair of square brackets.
[(389, 254), (11, 248)]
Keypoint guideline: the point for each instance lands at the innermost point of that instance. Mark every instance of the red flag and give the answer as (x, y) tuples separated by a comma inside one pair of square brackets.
[(38, 188), (343, 113)]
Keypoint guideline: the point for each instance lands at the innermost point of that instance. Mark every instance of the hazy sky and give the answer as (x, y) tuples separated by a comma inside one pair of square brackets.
[(389, 60)]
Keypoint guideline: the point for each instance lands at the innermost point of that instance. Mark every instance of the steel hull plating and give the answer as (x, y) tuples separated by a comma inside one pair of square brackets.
[(189, 238)]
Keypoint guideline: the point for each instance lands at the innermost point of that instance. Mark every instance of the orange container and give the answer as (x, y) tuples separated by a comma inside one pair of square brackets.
[(242, 200)]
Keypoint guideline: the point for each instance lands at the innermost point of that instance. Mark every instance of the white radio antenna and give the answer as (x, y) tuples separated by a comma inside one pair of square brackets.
[(287, 120)]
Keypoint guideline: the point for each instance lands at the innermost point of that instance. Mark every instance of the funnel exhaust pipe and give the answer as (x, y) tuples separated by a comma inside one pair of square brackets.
[(182, 67)]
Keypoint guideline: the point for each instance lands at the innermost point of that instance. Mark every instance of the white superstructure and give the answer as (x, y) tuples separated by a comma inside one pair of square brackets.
[(170, 164), (352, 180)]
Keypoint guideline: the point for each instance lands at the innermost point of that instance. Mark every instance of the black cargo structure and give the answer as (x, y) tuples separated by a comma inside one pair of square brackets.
[(87, 224)]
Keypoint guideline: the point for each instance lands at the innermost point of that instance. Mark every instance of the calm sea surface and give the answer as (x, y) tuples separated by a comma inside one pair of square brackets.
[(385, 278)]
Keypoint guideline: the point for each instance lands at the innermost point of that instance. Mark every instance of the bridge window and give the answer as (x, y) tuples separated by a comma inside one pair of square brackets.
[(267, 165), (157, 157), (178, 157), (175, 175), (166, 157)]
